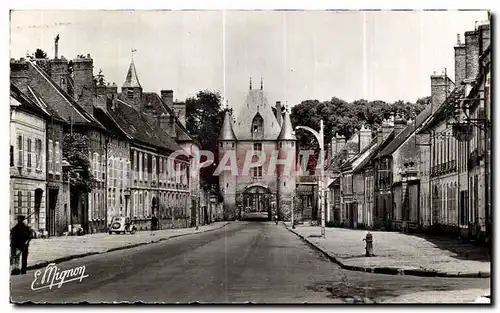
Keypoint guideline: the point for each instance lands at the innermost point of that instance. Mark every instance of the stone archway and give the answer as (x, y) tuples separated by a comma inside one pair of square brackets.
[(256, 202)]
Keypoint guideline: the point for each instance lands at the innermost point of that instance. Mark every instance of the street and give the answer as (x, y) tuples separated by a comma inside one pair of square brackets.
[(259, 262)]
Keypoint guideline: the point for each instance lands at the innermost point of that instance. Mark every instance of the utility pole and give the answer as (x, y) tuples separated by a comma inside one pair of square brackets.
[(321, 177)]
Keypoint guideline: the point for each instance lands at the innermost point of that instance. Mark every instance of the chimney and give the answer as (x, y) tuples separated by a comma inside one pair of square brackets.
[(399, 124), (459, 62), (471, 54), (83, 80), (333, 146), (385, 129), (441, 87), (365, 136), (19, 74), (59, 72), (484, 31), (279, 114), (167, 96), (340, 143), (167, 123), (180, 112)]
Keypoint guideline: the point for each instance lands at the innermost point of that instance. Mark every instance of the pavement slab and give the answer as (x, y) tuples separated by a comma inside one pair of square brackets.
[(58, 249), (399, 253)]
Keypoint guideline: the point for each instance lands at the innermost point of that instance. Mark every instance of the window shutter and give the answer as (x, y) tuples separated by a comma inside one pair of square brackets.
[(20, 160), (58, 157), (29, 153), (51, 148)]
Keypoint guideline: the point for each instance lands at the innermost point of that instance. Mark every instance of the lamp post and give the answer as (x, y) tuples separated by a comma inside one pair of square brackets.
[(320, 138), (67, 167)]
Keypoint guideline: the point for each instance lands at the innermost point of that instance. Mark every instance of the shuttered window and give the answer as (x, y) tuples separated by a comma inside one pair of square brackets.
[(20, 159)]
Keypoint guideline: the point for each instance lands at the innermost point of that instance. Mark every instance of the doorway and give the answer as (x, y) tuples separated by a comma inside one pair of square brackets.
[(51, 211)]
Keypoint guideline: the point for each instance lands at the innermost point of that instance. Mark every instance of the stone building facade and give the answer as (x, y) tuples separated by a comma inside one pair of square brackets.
[(252, 147), (28, 139)]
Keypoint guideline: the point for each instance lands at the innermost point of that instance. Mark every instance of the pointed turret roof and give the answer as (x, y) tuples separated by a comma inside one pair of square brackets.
[(132, 80), (227, 132), (287, 132)]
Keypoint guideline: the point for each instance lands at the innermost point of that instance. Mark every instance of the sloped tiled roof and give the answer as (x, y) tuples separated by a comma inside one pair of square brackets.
[(44, 105), (20, 100), (256, 102), (153, 102), (364, 154), (107, 119), (407, 132), (287, 132), (134, 124), (227, 132), (61, 101), (374, 153), (168, 142)]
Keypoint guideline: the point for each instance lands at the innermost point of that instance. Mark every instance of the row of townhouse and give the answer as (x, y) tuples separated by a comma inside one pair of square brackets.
[(139, 151), (430, 173)]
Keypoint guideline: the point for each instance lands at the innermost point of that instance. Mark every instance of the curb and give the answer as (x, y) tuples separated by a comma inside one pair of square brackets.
[(391, 270), (78, 256)]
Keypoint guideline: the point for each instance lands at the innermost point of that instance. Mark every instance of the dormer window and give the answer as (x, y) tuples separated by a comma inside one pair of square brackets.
[(257, 125)]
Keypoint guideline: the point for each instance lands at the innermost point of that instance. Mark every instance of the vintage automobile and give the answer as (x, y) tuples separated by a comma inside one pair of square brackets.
[(122, 225)]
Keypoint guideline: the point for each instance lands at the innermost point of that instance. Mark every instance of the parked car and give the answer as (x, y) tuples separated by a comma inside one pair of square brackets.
[(121, 225)]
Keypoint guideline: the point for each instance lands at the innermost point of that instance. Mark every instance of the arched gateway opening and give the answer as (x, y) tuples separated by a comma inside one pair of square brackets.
[(256, 203)]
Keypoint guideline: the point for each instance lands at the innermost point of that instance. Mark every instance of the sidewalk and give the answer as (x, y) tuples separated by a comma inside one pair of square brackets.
[(443, 297), (59, 249), (397, 253)]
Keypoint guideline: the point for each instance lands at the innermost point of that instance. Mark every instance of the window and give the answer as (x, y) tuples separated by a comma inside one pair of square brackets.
[(29, 153), (58, 158), (127, 178), (257, 125), (141, 159), (146, 167), (140, 204), (257, 147), (38, 154), (257, 171), (160, 168), (28, 206), (121, 172), (19, 202), (11, 155), (103, 165), (94, 164), (20, 160), (154, 169), (130, 94)]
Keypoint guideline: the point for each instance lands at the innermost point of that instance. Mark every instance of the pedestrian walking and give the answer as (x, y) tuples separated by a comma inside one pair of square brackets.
[(154, 224), (20, 235)]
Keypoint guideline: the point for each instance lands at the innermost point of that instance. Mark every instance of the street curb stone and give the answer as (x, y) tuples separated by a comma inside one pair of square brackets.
[(78, 256), (390, 270)]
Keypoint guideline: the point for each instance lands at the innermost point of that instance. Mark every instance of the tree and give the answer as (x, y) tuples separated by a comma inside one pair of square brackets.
[(40, 54), (204, 119), (344, 118), (76, 152)]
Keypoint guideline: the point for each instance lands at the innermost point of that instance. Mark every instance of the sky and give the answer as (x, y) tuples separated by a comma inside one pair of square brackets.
[(299, 55)]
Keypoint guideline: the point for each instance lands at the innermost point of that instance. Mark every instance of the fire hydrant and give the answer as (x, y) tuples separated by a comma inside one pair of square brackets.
[(369, 244)]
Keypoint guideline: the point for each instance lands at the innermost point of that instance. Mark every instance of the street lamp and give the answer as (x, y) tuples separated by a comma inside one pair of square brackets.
[(320, 138), (66, 168)]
